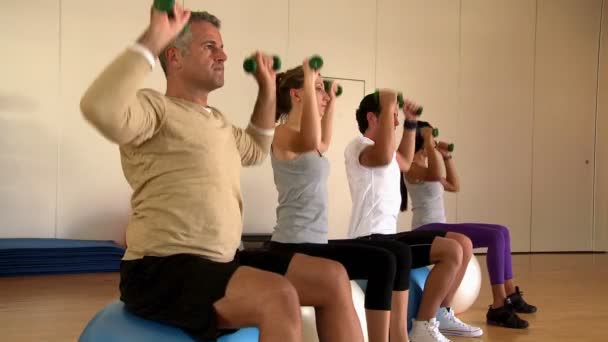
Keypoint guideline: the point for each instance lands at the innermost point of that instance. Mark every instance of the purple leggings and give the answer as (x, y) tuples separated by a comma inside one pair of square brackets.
[(493, 236)]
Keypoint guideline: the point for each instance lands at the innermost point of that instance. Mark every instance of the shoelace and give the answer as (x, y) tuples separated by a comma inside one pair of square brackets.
[(513, 315), (520, 294), (456, 320), (434, 331)]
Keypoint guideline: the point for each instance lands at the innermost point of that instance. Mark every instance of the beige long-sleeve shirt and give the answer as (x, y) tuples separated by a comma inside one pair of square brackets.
[(182, 160)]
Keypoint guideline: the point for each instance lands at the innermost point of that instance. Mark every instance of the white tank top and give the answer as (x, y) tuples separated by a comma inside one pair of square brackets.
[(427, 203)]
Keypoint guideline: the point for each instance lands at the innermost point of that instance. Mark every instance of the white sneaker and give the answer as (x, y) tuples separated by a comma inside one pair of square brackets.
[(426, 331), (451, 325)]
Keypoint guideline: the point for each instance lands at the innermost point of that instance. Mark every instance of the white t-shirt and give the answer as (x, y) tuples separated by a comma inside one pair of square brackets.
[(374, 192)]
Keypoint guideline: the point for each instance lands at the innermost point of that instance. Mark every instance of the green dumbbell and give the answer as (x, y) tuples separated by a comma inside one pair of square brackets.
[(327, 85), (339, 91), (167, 6), (250, 65), (401, 102), (445, 146), (435, 132), (315, 62)]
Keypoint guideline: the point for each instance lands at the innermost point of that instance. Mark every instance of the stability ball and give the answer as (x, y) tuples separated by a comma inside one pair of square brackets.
[(309, 328), (468, 291)]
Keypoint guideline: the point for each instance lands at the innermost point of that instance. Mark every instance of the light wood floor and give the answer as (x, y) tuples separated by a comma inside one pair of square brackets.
[(571, 291)]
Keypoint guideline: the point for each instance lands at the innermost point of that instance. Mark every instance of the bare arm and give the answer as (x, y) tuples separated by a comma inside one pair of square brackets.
[(266, 103), (451, 182), (431, 173), (254, 142), (328, 118), (405, 151), (309, 137)]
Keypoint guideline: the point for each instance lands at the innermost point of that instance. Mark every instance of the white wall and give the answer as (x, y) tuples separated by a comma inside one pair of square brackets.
[(564, 124), (496, 97), (29, 117), (478, 67)]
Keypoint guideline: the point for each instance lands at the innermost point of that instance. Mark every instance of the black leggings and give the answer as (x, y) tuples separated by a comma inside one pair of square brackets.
[(384, 263), (420, 243)]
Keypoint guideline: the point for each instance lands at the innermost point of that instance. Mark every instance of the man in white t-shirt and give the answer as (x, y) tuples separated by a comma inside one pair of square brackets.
[(373, 169)]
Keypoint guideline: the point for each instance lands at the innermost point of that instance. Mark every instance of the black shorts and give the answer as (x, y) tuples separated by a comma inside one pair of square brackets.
[(372, 261), (181, 289), (419, 241)]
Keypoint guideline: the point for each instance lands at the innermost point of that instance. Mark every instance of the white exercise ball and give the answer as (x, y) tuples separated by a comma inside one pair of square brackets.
[(309, 328), (468, 291)]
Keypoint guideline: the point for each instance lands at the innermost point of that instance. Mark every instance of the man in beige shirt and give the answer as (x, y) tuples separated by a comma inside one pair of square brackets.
[(183, 160)]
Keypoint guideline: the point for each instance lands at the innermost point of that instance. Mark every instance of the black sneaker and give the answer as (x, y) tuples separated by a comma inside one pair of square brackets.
[(519, 304), (504, 316)]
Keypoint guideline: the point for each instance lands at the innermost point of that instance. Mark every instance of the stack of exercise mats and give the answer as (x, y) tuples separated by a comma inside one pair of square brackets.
[(58, 256)]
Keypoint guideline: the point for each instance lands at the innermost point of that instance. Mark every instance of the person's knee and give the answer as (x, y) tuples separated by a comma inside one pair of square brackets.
[(403, 256), (334, 278), (505, 232), (449, 251), (465, 243), (383, 265), (283, 300)]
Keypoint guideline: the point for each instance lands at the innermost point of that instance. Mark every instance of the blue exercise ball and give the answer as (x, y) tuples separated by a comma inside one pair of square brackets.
[(115, 324), (417, 279)]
